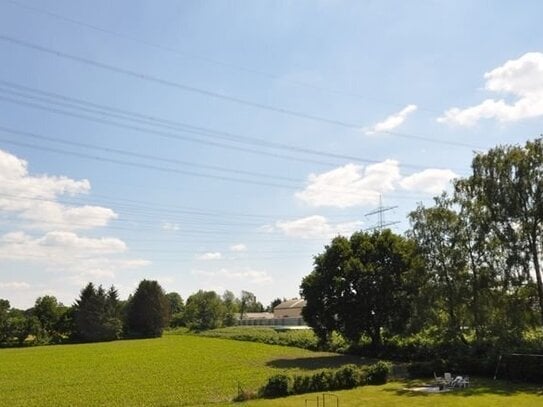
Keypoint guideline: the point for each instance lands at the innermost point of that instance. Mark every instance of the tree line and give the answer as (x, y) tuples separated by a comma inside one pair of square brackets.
[(466, 275), (98, 314)]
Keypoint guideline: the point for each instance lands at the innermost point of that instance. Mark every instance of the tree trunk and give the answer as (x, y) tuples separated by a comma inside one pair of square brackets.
[(537, 269)]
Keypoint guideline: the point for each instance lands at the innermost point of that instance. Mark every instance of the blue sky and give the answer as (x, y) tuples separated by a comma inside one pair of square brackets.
[(170, 140)]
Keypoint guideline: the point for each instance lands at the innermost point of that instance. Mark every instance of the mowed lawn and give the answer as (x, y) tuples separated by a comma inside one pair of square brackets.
[(483, 393), (173, 370)]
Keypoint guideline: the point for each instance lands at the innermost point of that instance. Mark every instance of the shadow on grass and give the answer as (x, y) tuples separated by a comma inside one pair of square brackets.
[(477, 387), (319, 362)]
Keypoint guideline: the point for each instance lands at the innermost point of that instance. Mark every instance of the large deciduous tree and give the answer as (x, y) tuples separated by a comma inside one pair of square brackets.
[(204, 310), (362, 285), (507, 189)]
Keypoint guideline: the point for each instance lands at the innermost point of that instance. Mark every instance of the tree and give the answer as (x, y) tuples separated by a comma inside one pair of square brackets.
[(507, 189), (204, 310), (231, 308), (48, 311), (440, 235), (97, 314), (275, 303), (248, 303), (4, 314), (148, 310), (176, 309), (362, 285)]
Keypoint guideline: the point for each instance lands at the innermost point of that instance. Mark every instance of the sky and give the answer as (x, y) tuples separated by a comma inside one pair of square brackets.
[(220, 145)]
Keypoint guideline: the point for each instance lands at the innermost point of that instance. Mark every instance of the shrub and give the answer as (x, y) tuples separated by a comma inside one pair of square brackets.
[(277, 386), (377, 373), (347, 377), (301, 384), (322, 381)]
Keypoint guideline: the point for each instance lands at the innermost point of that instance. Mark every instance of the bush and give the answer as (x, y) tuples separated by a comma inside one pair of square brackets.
[(322, 381), (347, 377), (277, 386), (301, 384), (377, 373)]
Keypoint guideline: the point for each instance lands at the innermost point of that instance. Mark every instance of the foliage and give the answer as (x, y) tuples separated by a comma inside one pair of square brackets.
[(97, 315), (346, 377), (276, 386), (204, 310), (231, 308), (305, 339), (377, 373), (148, 310), (362, 285)]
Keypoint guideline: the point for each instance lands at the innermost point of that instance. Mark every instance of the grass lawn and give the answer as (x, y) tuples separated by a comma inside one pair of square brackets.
[(483, 393), (173, 370)]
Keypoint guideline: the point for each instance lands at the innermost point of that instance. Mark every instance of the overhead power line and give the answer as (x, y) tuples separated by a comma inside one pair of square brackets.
[(208, 93), (208, 60), (122, 114)]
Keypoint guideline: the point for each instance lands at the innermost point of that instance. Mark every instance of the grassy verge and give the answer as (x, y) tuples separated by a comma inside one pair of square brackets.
[(483, 393)]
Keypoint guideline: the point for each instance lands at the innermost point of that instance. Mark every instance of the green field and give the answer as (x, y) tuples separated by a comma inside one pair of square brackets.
[(191, 370), (173, 370)]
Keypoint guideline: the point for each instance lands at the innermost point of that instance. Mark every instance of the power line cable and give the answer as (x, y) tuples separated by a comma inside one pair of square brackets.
[(200, 131), (207, 59), (213, 94)]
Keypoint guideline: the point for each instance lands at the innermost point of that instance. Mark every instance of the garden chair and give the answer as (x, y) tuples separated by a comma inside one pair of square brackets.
[(447, 378)]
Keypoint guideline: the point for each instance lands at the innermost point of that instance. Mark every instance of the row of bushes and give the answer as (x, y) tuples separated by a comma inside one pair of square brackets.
[(302, 338), (346, 377)]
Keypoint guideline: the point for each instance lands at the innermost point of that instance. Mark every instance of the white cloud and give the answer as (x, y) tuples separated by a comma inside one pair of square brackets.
[(351, 185), (240, 247), (393, 121), (356, 185), (316, 226), (15, 285), (248, 275), (170, 227), (210, 256), (68, 253), (431, 181), (33, 198), (521, 78)]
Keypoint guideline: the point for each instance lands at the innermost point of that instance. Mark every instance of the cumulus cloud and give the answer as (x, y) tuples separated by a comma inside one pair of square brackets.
[(351, 185), (316, 226), (33, 199), (355, 185), (210, 256), (430, 181), (393, 121), (240, 247), (45, 233), (521, 78), (65, 251), (247, 275)]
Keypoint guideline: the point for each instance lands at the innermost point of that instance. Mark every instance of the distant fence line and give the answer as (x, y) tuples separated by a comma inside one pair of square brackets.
[(294, 321)]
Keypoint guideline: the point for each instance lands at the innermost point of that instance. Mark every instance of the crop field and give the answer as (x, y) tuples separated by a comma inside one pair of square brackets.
[(173, 370), (179, 370)]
